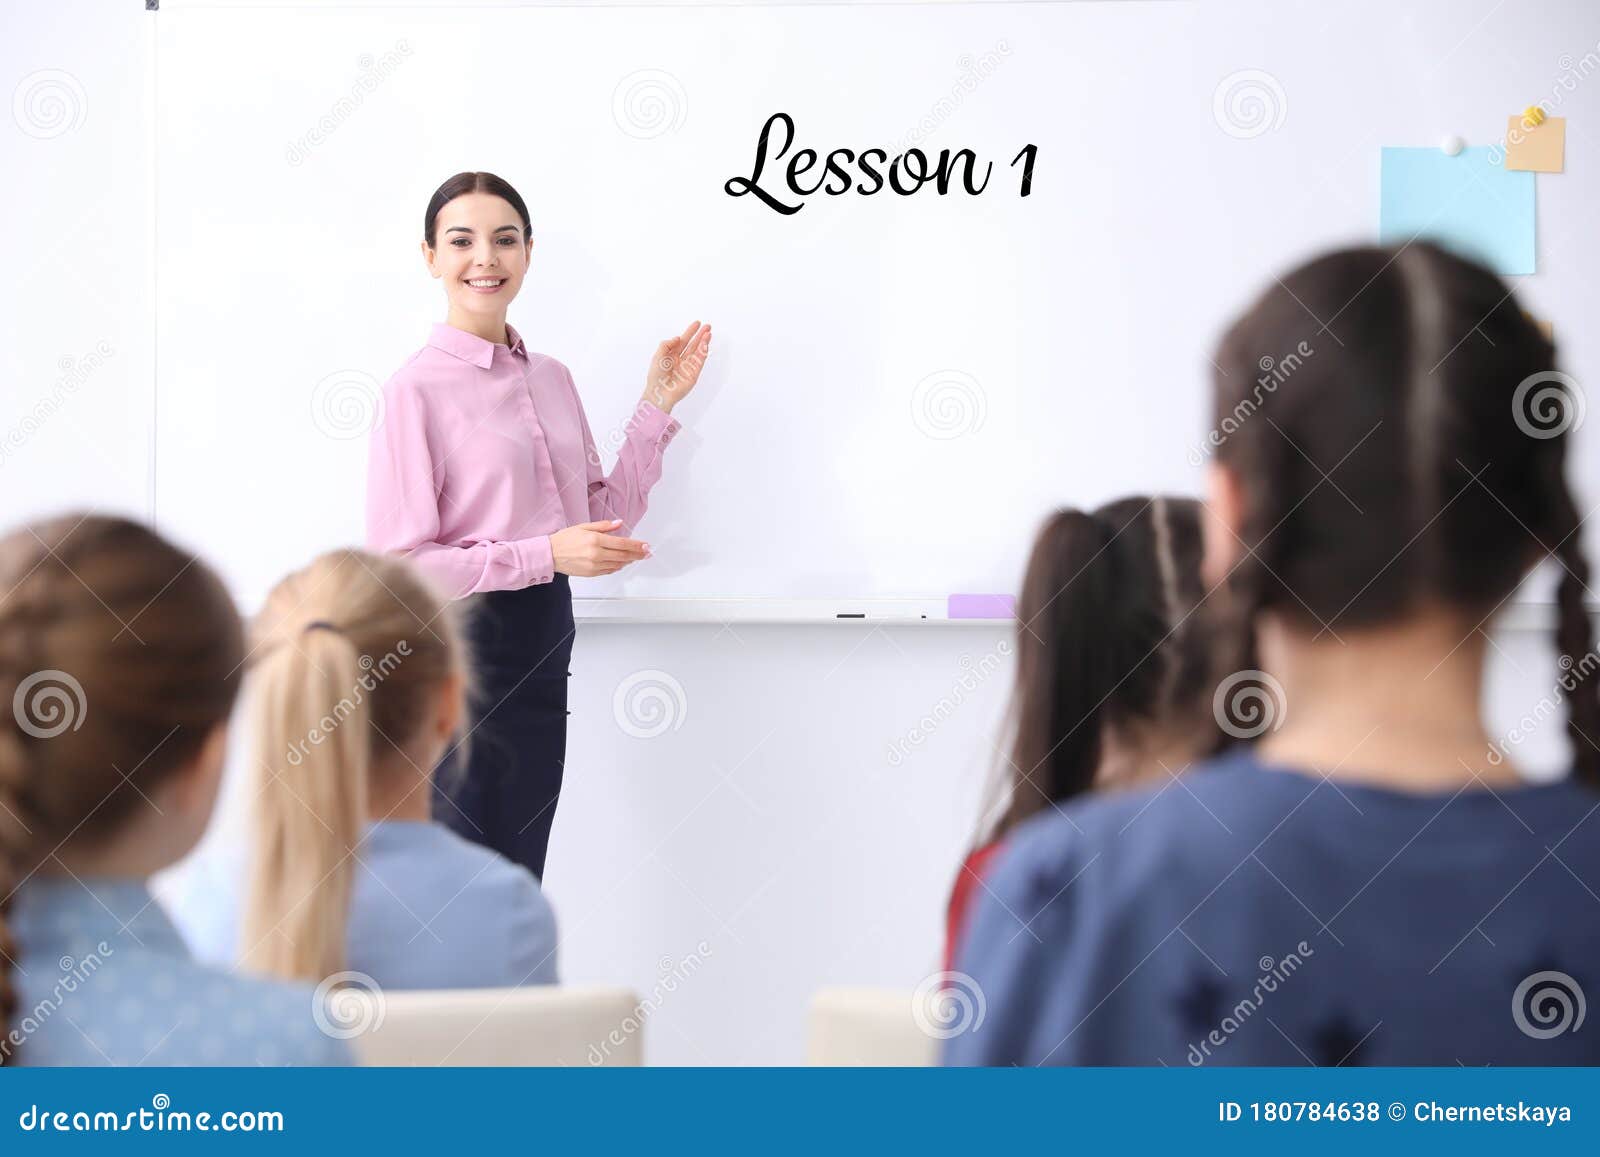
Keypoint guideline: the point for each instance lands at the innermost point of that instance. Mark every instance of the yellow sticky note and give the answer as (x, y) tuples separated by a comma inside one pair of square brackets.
[(1538, 148)]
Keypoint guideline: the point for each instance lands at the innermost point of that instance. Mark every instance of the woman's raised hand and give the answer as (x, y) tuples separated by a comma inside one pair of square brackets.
[(591, 548), (676, 366)]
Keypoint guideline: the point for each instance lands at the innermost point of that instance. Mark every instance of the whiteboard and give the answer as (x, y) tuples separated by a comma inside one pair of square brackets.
[(902, 386)]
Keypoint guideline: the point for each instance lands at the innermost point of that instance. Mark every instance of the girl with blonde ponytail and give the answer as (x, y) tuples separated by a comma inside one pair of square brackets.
[(120, 658), (359, 682)]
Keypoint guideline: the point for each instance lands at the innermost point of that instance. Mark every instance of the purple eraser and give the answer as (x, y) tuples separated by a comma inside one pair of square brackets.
[(982, 607)]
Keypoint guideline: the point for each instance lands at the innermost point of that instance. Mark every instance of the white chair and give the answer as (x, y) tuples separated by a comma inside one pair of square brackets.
[(867, 1026), (554, 1025)]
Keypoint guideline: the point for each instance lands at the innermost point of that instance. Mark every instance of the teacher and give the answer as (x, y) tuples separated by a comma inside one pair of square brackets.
[(483, 472)]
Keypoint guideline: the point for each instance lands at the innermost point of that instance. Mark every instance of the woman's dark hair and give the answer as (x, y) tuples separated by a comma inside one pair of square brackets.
[(463, 183), (117, 650), (1398, 432), (1110, 634)]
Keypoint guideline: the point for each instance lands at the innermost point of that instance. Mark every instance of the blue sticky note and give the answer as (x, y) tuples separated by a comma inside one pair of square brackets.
[(1469, 203)]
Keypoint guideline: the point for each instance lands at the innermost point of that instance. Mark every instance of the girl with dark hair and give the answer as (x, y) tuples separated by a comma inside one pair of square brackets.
[(122, 656), (1115, 661), (1370, 881), (483, 472)]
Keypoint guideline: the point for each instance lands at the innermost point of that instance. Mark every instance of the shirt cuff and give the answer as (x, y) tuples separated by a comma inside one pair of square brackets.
[(653, 423), (536, 559)]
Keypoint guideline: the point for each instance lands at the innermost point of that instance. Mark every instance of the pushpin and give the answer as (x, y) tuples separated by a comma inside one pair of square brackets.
[(1533, 116), (1452, 145)]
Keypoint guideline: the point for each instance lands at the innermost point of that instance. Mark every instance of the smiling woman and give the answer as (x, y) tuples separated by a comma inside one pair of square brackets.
[(484, 473), (470, 200)]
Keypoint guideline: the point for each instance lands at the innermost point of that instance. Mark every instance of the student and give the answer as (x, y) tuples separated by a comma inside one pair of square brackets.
[(358, 685), (121, 660), (1114, 667), (1370, 882)]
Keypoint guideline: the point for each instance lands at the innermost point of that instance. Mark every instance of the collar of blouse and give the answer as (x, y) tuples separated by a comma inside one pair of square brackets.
[(469, 347)]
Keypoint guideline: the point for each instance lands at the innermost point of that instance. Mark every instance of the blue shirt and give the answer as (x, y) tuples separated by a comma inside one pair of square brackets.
[(428, 909), (103, 978), (1250, 915)]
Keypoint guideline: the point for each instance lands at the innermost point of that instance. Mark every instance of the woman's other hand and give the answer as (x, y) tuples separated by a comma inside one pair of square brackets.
[(592, 548)]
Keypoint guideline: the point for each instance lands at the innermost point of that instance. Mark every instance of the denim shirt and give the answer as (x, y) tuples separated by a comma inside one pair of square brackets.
[(103, 978), (428, 909)]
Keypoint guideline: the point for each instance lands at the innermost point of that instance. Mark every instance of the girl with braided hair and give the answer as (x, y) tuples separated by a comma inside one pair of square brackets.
[(1116, 660), (1368, 879), (120, 657)]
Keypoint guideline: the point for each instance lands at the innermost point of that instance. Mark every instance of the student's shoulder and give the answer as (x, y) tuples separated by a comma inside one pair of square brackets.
[(1168, 828), (228, 1018), (488, 891), (468, 865), (1556, 810)]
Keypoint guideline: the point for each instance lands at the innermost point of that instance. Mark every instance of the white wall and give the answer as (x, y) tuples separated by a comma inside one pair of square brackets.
[(75, 360), (770, 825)]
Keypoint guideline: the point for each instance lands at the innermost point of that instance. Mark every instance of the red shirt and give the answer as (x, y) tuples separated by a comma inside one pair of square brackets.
[(968, 881)]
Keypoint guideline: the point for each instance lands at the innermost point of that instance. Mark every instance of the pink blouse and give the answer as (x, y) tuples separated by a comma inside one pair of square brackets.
[(483, 451)]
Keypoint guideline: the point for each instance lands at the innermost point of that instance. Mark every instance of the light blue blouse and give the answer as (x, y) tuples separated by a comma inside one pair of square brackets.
[(103, 978), (428, 909)]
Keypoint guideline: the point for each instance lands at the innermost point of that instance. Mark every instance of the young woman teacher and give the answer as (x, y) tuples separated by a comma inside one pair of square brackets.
[(484, 473)]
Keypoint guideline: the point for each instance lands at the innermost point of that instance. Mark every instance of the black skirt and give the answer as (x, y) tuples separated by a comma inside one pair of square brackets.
[(499, 786)]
